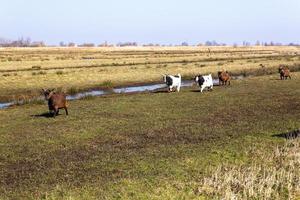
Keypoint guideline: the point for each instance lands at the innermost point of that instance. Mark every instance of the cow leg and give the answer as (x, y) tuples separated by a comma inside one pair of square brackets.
[(290, 77), (66, 109), (50, 112), (55, 111)]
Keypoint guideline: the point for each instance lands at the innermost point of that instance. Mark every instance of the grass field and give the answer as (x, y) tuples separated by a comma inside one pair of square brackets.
[(156, 145), (24, 71)]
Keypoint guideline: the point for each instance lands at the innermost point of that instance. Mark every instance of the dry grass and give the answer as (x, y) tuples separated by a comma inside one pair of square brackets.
[(86, 68), (271, 175)]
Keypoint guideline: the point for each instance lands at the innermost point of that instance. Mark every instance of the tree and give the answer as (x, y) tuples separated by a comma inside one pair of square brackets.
[(62, 44), (245, 43), (124, 44), (71, 44), (184, 44), (87, 45), (37, 44)]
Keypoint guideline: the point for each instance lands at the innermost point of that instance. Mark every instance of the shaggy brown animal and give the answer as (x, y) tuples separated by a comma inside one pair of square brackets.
[(56, 101), (224, 77), (284, 73)]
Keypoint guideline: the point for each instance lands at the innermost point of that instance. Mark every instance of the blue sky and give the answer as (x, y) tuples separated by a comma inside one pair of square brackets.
[(156, 21)]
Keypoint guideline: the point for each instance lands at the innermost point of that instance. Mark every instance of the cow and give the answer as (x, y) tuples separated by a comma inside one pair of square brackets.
[(56, 101), (172, 81), (224, 77), (204, 81), (284, 73)]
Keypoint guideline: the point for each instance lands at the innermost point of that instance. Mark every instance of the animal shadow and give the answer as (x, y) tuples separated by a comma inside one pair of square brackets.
[(198, 90), (289, 135), (275, 79), (45, 115), (161, 91)]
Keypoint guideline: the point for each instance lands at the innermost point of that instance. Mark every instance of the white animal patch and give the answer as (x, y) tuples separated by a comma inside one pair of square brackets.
[(173, 81), (204, 81)]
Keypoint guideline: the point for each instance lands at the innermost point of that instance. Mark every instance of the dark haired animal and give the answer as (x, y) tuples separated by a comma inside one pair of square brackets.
[(224, 77), (56, 101), (284, 73)]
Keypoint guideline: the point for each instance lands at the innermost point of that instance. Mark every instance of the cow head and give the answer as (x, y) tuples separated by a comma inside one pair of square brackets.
[(48, 93), (199, 79)]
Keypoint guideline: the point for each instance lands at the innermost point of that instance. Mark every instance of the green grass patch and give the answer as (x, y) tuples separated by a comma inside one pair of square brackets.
[(106, 84)]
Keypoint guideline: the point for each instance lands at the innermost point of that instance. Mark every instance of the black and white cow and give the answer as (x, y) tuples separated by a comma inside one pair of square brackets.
[(173, 81), (204, 81)]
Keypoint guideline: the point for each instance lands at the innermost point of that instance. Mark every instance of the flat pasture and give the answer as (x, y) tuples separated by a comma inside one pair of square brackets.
[(156, 145), (24, 71)]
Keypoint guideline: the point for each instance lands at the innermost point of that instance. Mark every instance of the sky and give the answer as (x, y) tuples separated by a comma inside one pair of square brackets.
[(152, 21)]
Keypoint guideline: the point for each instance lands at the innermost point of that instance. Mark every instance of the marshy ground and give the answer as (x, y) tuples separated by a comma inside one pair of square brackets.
[(155, 145), (24, 71)]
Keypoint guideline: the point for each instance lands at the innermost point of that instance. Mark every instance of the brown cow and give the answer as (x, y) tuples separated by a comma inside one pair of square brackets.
[(56, 101), (284, 73), (224, 77)]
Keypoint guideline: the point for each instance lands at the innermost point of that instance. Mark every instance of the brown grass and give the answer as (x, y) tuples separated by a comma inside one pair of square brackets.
[(271, 175), (86, 68)]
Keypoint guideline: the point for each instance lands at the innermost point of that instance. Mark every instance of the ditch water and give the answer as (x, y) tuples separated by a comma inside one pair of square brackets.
[(120, 90)]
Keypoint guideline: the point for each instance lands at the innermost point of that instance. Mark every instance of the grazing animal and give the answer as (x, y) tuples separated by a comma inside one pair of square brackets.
[(172, 81), (204, 81), (56, 101), (284, 73), (224, 77)]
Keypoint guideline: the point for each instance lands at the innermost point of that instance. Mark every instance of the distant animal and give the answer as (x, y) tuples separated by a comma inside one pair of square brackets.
[(172, 81), (284, 73), (224, 77), (204, 81), (56, 101)]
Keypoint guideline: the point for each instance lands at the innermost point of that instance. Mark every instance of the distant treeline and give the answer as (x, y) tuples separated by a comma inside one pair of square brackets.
[(28, 43), (21, 43)]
